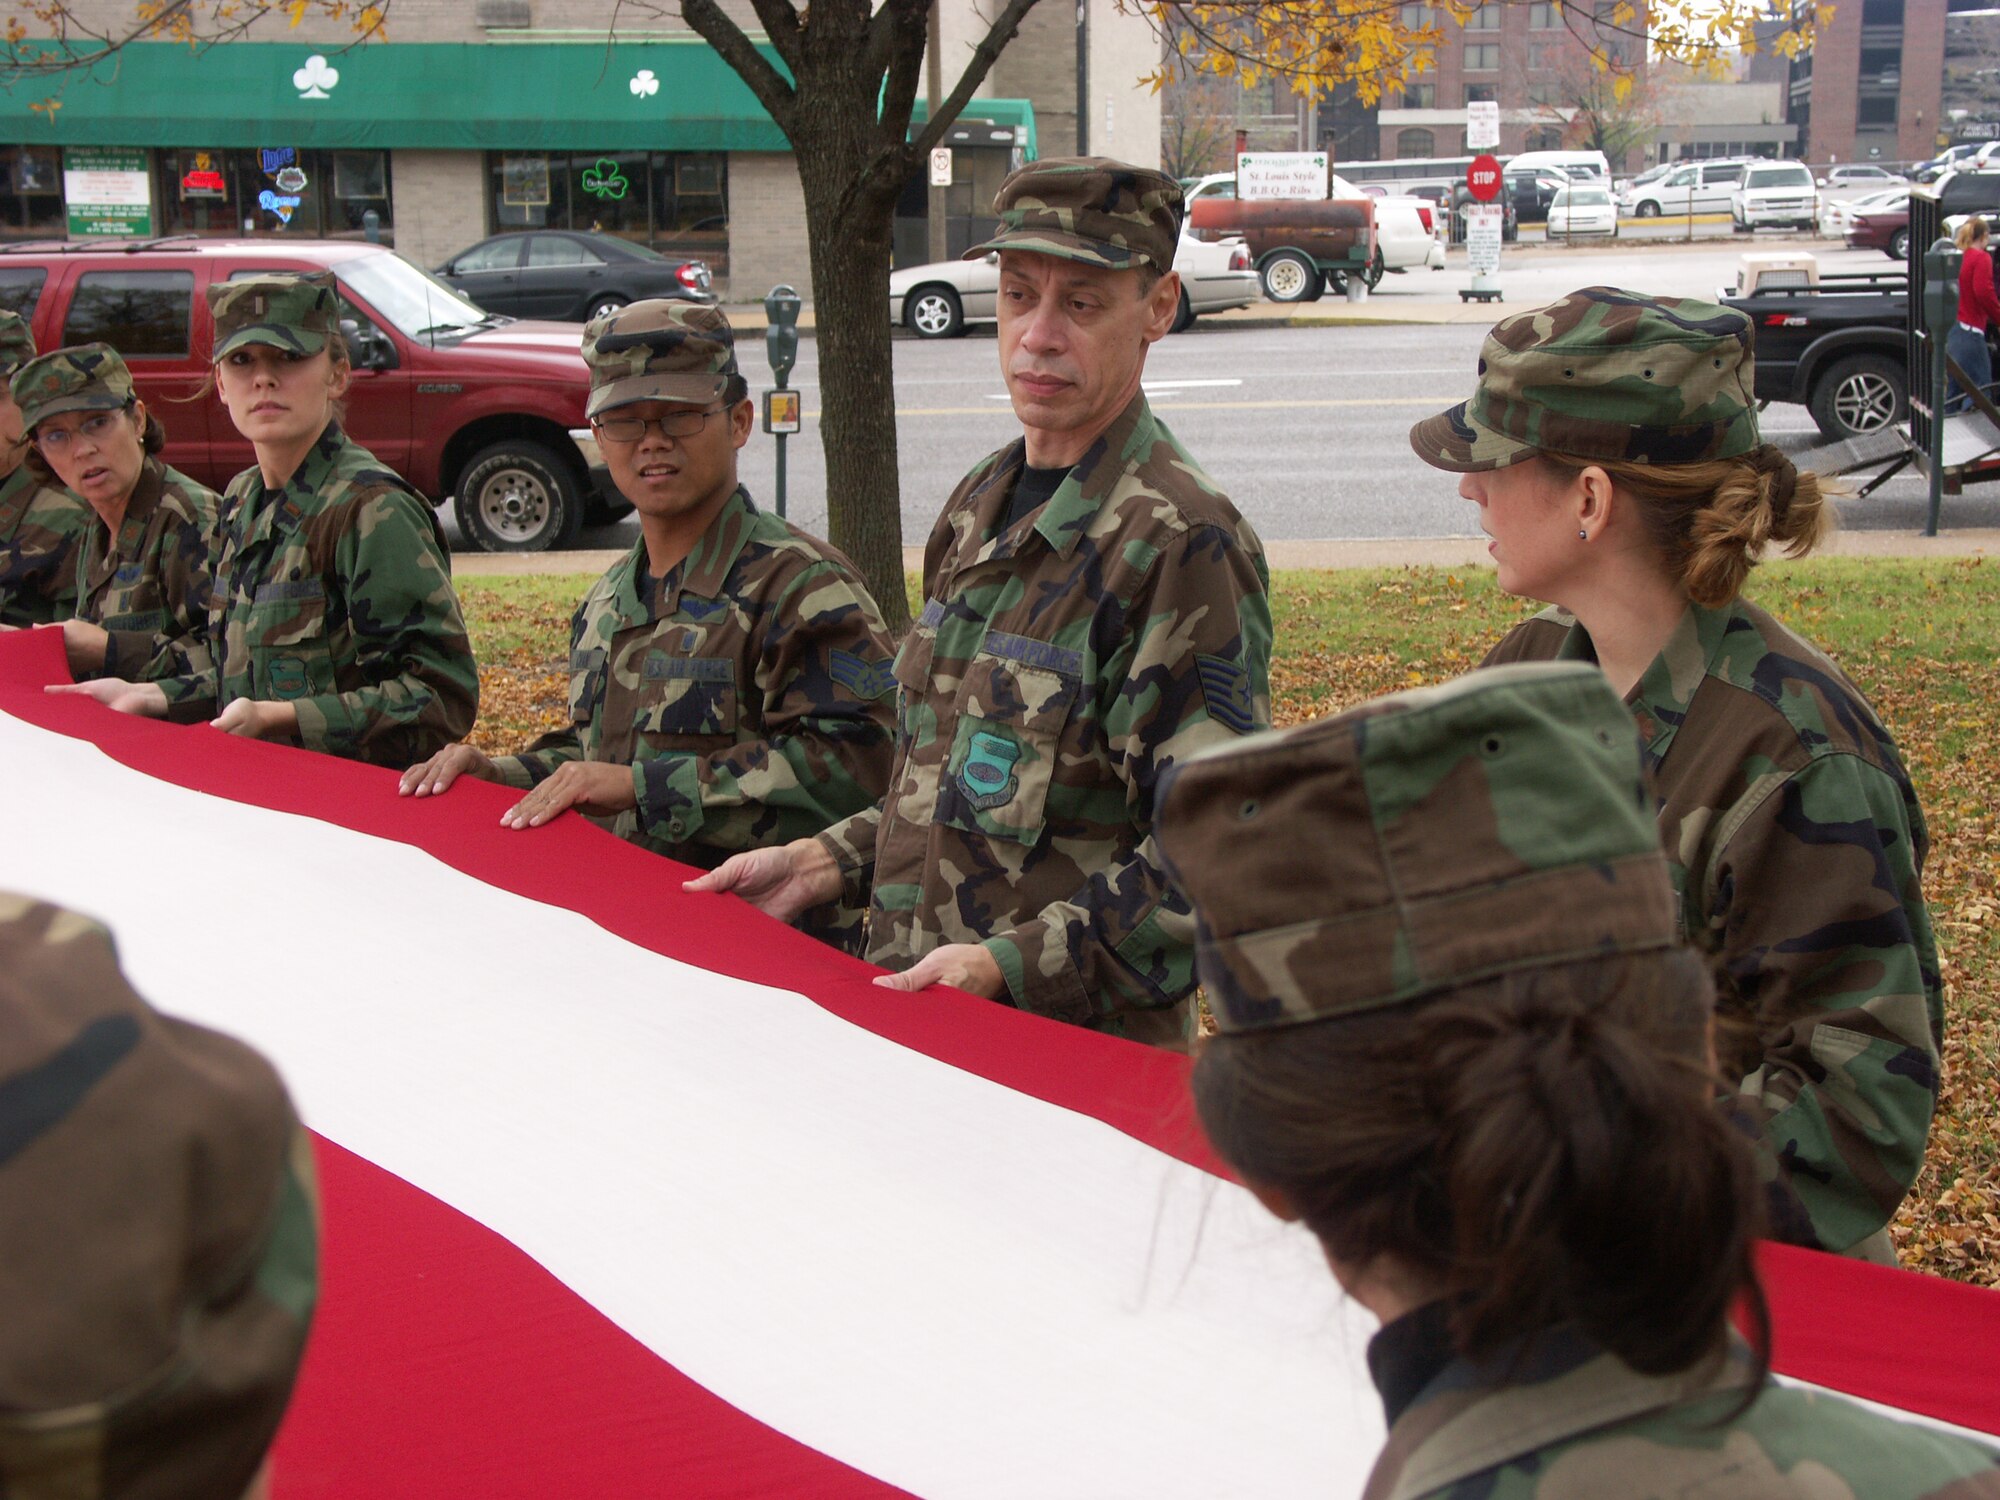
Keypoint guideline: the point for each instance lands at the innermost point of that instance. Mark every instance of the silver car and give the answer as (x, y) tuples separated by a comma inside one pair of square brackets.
[(939, 300)]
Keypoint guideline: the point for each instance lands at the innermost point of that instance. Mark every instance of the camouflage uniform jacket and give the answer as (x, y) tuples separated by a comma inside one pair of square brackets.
[(1580, 1422), (149, 586), (1796, 846), (333, 592), (749, 690), (1059, 667), (41, 527)]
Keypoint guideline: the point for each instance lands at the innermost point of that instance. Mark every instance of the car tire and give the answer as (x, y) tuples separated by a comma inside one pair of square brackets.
[(1373, 278), (1739, 227), (1184, 314), (1648, 210), (934, 312), (1899, 245), (1860, 394), (1290, 277), (604, 305), (518, 496)]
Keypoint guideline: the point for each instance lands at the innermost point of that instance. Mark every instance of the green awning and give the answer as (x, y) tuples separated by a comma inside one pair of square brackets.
[(658, 95), (1017, 115)]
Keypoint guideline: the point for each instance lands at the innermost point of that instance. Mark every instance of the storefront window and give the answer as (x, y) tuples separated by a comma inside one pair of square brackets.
[(31, 201), (675, 201), (282, 190)]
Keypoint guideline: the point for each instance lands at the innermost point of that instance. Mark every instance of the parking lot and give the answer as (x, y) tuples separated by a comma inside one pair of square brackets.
[(1305, 426)]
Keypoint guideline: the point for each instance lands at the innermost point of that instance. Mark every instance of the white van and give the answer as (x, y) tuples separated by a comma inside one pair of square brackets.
[(1579, 164)]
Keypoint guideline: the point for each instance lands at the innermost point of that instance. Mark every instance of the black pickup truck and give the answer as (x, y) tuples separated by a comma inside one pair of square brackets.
[(1840, 350)]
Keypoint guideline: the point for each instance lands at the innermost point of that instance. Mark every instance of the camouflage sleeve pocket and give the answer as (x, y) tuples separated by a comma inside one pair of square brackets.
[(285, 633), (586, 684), (1004, 749), (912, 671)]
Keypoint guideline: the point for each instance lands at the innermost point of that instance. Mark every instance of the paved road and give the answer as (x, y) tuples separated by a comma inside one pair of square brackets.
[(1305, 427)]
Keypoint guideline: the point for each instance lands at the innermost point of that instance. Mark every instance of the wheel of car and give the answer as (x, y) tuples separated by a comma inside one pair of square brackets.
[(1336, 283), (604, 306), (1290, 277), (1899, 245), (935, 313), (1375, 270), (1860, 394), (1184, 314), (1648, 209), (518, 496), (1739, 226)]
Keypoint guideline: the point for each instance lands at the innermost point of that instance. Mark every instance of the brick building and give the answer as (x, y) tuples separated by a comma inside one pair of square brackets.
[(482, 115), (1871, 88)]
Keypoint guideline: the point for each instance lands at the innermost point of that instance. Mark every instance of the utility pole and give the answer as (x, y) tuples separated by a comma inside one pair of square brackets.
[(934, 96), (1082, 78)]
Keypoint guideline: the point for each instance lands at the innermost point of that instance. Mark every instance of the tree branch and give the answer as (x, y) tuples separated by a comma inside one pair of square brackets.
[(904, 40), (781, 25), (778, 97), (998, 35)]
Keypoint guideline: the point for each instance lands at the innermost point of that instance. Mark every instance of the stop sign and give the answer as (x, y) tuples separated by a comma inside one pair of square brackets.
[(1482, 178)]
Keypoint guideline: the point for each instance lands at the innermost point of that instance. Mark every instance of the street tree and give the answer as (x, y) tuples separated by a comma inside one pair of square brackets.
[(843, 90)]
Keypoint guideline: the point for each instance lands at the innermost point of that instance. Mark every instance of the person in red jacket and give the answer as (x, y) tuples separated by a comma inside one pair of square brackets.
[(1977, 307)]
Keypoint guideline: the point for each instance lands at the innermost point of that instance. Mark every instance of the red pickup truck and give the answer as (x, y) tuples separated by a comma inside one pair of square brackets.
[(484, 409)]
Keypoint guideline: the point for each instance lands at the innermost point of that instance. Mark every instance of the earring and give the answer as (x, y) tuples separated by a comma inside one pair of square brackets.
[(1582, 535)]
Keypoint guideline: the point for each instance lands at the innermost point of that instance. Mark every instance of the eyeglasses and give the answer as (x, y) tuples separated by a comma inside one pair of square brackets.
[(675, 424), (96, 428)]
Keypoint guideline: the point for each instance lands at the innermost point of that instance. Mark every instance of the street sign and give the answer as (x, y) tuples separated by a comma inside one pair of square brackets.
[(1482, 178), (1483, 223), (940, 166), (1482, 125), (1265, 175), (782, 411)]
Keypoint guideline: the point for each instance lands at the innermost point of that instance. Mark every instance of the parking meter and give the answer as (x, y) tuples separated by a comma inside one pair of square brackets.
[(1939, 312), (783, 411), (781, 332)]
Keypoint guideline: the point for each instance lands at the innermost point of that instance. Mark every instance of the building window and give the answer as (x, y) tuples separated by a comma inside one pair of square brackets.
[(1480, 93), (1416, 16), (1875, 111), (1547, 95), (676, 202), (1482, 57), (1544, 138), (1543, 57), (1486, 18), (31, 200), (1413, 143), (1420, 96), (273, 190), (1882, 13), (1542, 16)]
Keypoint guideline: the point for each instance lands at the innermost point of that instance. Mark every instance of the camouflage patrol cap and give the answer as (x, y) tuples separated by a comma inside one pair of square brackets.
[(297, 310), (662, 349), (156, 1230), (17, 345), (1423, 840), (1604, 374), (1089, 209), (90, 377)]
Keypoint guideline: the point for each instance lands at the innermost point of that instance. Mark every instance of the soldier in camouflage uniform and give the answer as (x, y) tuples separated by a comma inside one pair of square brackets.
[(1613, 448), (729, 676), (157, 1210), (1095, 610), (143, 573), (1460, 1040), (332, 618), (41, 526)]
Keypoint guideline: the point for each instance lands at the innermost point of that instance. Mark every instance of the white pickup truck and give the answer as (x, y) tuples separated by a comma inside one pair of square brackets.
[(1407, 231)]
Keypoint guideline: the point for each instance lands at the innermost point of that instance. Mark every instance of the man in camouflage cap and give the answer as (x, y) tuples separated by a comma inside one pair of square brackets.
[(41, 525), (1424, 840), (1095, 610), (1605, 375), (298, 311), (729, 676), (158, 1263)]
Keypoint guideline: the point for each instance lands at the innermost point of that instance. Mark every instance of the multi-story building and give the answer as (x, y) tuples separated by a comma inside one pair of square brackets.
[(1870, 89), (482, 115), (1534, 60), (1969, 103)]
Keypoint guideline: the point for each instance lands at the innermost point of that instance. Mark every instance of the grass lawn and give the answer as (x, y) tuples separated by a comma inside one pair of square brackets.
[(1922, 638)]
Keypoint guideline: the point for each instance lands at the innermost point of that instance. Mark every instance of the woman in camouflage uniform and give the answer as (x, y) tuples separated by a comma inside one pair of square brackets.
[(142, 573), (1459, 1039), (1613, 451), (333, 620)]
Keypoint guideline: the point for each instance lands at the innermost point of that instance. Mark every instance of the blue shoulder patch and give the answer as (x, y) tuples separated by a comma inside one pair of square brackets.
[(1225, 687), (867, 680)]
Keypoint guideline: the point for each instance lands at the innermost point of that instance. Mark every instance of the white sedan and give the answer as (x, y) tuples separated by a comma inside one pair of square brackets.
[(937, 301), (1582, 210), (1835, 217)]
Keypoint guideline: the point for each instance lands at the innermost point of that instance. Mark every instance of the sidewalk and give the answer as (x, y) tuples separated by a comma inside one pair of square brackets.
[(1346, 552)]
